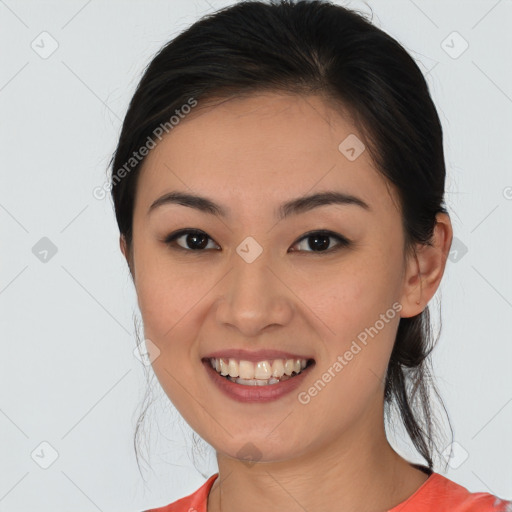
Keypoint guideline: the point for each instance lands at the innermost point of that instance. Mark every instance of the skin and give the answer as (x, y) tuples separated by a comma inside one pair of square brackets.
[(249, 155)]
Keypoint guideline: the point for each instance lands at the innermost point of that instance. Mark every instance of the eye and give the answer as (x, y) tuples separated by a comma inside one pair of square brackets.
[(316, 241), (319, 241), (191, 240)]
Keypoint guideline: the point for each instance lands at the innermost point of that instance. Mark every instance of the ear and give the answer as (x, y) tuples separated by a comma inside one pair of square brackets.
[(122, 245), (425, 268), (126, 253)]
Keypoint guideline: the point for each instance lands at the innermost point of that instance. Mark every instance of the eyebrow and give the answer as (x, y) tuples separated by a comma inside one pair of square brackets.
[(291, 207)]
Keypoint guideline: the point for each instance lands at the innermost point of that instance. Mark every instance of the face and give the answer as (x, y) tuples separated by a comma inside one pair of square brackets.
[(286, 288)]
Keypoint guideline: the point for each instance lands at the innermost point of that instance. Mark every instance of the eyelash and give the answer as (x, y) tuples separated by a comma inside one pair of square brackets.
[(342, 241)]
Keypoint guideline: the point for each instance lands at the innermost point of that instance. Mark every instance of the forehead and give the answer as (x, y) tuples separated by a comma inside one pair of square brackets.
[(264, 147)]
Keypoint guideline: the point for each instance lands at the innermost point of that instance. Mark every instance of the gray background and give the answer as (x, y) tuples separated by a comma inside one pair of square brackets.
[(68, 374)]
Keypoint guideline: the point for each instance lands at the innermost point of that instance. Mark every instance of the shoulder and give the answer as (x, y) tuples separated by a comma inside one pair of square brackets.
[(441, 494), (195, 502)]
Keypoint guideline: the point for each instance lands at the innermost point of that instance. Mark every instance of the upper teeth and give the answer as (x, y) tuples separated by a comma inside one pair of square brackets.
[(261, 370)]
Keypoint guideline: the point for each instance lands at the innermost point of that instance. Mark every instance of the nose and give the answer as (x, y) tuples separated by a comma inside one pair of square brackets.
[(254, 298)]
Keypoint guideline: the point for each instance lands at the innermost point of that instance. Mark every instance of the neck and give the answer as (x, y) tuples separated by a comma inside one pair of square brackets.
[(359, 471)]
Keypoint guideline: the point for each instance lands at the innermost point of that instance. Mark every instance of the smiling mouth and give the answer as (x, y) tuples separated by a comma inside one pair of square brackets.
[(262, 373)]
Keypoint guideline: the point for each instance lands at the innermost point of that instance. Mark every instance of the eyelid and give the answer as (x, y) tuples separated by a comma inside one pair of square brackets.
[(343, 242), (169, 239)]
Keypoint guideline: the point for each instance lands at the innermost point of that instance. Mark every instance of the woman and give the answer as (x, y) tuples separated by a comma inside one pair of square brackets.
[(278, 186)]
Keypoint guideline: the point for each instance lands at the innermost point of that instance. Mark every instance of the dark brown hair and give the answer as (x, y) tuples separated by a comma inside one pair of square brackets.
[(307, 47)]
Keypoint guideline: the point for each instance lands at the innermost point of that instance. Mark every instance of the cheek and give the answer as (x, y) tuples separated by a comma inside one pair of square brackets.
[(165, 293), (169, 307), (172, 302), (354, 305), (350, 296)]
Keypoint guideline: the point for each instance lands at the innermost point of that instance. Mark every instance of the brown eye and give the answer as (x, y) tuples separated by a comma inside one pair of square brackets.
[(194, 240), (189, 239), (320, 241)]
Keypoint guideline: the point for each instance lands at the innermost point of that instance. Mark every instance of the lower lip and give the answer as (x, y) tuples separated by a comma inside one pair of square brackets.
[(242, 393)]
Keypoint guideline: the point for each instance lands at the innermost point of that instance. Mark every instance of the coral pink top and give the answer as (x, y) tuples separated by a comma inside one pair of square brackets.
[(436, 494)]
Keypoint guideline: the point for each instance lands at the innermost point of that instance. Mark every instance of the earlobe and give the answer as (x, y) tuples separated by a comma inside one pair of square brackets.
[(425, 268), (126, 253), (122, 245)]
